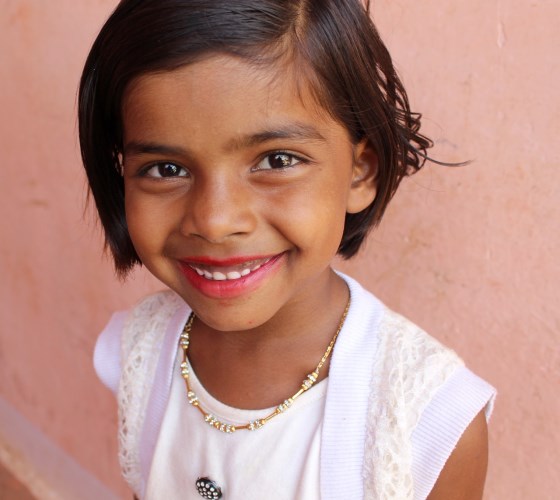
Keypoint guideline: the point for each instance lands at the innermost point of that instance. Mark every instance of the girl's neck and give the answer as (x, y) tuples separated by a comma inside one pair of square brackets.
[(259, 368)]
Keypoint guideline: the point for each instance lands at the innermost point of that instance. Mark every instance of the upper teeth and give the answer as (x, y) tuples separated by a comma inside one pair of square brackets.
[(230, 275)]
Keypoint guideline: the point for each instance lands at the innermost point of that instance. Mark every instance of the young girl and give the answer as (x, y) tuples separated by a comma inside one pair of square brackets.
[(233, 149)]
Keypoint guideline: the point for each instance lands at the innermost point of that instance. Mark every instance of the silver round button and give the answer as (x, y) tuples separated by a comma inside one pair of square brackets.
[(207, 488)]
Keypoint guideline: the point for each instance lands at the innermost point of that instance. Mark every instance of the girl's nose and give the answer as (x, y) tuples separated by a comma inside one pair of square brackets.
[(218, 209)]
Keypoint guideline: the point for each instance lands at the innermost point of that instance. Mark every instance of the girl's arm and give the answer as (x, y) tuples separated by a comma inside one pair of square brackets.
[(464, 473)]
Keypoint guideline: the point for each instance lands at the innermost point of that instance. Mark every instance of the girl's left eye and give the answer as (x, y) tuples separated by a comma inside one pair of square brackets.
[(278, 161), (165, 170)]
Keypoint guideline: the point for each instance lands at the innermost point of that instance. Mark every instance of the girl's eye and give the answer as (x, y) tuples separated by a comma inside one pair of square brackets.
[(161, 170), (278, 161)]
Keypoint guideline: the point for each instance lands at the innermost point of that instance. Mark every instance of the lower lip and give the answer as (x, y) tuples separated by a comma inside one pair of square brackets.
[(228, 289)]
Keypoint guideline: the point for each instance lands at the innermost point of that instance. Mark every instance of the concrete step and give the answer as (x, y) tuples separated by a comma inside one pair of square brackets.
[(11, 488)]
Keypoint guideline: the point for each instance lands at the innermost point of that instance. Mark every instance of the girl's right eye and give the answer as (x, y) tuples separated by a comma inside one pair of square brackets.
[(164, 170)]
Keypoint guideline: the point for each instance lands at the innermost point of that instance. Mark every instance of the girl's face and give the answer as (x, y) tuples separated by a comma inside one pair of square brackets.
[(236, 187)]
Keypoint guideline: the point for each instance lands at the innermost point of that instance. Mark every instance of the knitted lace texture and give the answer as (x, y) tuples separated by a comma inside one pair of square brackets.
[(410, 368), (141, 344)]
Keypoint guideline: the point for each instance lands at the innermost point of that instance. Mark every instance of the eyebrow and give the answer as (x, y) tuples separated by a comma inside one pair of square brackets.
[(295, 131), (137, 148)]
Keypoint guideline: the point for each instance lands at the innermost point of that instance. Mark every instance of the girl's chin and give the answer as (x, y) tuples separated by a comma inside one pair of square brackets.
[(231, 321)]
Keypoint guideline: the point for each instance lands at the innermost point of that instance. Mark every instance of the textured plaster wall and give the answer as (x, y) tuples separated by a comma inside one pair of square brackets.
[(471, 254)]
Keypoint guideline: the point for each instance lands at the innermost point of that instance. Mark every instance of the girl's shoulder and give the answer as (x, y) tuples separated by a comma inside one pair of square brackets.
[(137, 331), (147, 321), (395, 343), (419, 355)]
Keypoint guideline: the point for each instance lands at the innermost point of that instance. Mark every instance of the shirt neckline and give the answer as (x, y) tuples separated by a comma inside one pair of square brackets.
[(240, 416)]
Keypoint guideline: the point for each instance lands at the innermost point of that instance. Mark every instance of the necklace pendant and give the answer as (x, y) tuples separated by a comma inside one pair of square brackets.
[(309, 381), (284, 406), (256, 424), (212, 421), (193, 398)]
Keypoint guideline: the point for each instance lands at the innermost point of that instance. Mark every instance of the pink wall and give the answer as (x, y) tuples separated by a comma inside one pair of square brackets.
[(470, 254)]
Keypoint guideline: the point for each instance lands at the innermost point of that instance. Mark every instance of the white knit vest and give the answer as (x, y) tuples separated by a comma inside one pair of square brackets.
[(408, 370)]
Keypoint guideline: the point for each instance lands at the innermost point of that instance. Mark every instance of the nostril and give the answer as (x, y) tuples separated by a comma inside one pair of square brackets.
[(218, 210)]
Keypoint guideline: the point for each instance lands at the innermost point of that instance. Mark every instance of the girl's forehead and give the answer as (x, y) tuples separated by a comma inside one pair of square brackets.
[(219, 74), (222, 93)]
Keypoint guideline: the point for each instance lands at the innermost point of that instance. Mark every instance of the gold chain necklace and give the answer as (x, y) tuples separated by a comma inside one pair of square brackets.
[(307, 383)]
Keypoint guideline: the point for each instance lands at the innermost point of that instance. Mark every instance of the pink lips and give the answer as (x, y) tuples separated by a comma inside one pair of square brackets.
[(222, 287)]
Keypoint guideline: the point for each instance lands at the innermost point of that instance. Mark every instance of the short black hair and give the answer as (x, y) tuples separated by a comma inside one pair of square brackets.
[(336, 42)]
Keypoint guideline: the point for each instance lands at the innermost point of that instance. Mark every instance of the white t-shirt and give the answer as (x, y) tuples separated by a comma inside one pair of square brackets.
[(279, 461), (396, 404)]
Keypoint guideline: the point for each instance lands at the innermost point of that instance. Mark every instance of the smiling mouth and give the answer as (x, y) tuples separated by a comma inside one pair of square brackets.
[(231, 272)]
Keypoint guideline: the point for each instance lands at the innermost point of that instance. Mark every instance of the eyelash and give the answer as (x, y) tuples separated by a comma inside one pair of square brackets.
[(291, 156), (293, 161), (145, 171)]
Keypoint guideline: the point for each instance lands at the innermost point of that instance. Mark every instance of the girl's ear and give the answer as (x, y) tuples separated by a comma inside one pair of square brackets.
[(364, 178)]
